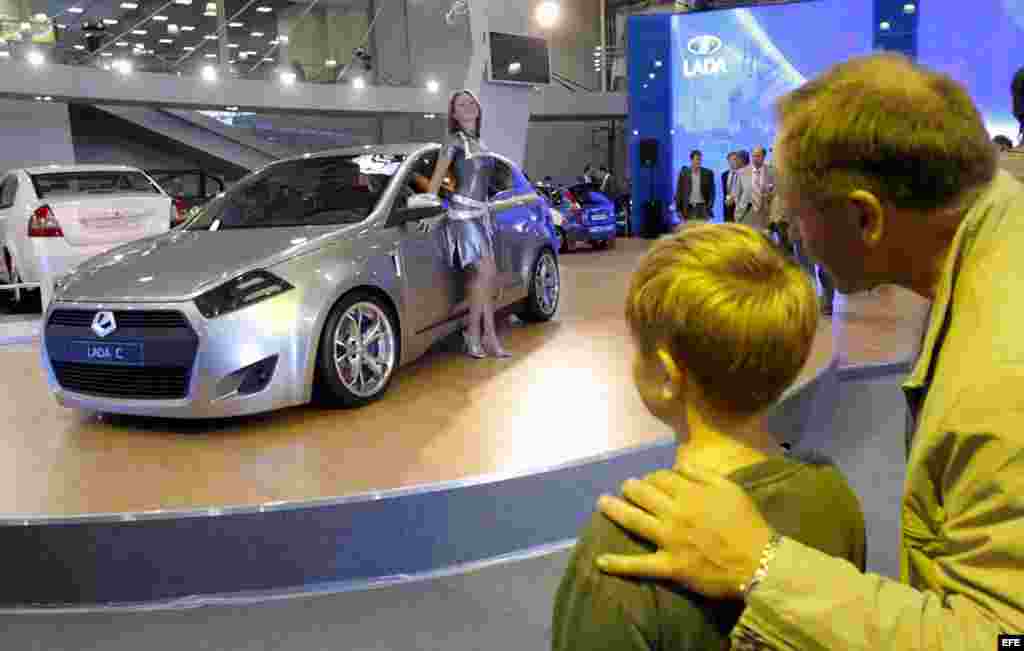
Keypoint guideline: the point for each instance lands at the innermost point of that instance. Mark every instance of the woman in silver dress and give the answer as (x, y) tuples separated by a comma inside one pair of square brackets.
[(470, 226)]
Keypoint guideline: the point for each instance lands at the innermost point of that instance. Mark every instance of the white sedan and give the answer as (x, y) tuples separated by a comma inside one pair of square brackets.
[(52, 218)]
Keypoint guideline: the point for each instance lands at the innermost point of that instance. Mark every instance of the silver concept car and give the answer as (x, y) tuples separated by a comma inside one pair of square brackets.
[(313, 277)]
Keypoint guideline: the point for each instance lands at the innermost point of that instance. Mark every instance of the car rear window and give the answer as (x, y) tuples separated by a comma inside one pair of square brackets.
[(114, 182)]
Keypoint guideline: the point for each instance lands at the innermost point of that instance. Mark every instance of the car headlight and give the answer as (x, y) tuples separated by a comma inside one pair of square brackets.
[(245, 290)]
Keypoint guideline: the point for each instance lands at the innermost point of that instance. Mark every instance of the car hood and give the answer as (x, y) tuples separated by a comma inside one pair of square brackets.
[(183, 264)]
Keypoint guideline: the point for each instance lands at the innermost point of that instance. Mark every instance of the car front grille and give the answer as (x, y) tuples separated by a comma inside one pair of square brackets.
[(143, 382), (123, 318), (168, 342)]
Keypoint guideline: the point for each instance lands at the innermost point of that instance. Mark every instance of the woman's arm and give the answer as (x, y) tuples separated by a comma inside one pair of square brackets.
[(440, 169)]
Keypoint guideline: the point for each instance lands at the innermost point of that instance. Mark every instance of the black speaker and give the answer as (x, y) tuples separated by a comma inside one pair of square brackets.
[(648, 152), (654, 221)]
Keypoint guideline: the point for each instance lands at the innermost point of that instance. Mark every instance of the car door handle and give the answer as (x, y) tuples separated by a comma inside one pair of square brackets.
[(396, 257)]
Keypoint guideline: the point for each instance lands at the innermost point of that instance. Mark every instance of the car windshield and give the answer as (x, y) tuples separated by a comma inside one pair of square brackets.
[(325, 191), (112, 182)]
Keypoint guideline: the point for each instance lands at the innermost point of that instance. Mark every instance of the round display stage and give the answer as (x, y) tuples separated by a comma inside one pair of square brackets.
[(463, 461)]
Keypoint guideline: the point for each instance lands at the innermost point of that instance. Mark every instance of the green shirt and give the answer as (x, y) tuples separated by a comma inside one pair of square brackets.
[(806, 498)]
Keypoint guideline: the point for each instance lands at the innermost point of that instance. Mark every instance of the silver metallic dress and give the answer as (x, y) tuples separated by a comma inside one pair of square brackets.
[(469, 229)]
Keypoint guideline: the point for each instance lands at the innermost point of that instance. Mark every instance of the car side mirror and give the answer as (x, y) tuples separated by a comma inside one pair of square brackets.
[(414, 214)]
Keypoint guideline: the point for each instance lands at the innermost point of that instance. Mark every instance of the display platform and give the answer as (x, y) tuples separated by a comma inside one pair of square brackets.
[(464, 461)]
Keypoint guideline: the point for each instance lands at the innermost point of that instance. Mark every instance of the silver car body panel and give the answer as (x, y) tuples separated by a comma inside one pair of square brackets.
[(402, 264)]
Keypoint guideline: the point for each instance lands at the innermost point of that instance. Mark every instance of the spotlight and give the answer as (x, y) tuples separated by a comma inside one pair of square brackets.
[(909, 8), (547, 14), (433, 86), (884, 25), (287, 77), (36, 58), (209, 73), (358, 83), (657, 64)]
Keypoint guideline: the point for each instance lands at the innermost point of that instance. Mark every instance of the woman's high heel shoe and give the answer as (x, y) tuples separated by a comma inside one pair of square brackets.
[(496, 350), (473, 347)]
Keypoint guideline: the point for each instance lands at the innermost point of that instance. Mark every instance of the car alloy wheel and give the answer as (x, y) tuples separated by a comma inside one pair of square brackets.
[(545, 289), (359, 351)]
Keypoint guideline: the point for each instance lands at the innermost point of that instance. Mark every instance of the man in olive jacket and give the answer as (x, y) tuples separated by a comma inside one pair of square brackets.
[(889, 168)]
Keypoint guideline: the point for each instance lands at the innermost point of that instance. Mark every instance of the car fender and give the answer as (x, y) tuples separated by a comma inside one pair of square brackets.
[(326, 276)]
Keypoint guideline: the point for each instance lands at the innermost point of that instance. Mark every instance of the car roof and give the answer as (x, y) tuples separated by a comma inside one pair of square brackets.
[(51, 169), (401, 149)]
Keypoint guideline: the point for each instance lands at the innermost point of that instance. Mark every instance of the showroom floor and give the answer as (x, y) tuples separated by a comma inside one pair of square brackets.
[(566, 395)]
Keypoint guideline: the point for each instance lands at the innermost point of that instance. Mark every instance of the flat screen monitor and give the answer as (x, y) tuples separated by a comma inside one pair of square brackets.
[(519, 59)]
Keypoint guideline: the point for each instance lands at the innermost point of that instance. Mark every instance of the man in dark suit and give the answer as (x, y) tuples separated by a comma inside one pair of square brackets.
[(729, 180), (695, 190)]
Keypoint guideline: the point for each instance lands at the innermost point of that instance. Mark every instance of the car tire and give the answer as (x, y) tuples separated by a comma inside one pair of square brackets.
[(541, 302), (600, 244), (339, 379), (563, 240)]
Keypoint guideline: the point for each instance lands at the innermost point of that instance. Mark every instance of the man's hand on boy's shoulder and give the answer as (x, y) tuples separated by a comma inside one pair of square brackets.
[(708, 531)]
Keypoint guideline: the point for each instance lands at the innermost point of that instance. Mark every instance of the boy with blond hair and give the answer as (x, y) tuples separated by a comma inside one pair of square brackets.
[(722, 325)]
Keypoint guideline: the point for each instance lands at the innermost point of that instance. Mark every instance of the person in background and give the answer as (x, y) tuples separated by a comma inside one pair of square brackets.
[(588, 174), (1002, 143), (700, 372), (756, 190), (744, 158), (695, 190), (729, 187), (607, 183), (893, 177)]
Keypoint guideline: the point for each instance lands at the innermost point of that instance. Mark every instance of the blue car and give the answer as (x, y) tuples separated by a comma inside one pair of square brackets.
[(582, 215)]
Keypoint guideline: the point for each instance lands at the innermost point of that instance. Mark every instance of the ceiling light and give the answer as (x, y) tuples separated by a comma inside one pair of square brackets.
[(210, 56), (167, 41), (160, 19), (109, 21), (287, 78), (433, 86), (264, 10), (139, 32), (47, 98), (257, 34), (330, 63), (211, 6), (211, 37), (172, 29), (210, 12), (188, 28), (651, 75), (515, 68), (275, 41), (909, 8), (657, 64), (185, 3), (283, 38), (6, 55), (358, 83), (885, 25), (547, 14), (106, 54), (268, 59), (79, 47), (231, 108), (429, 116), (189, 48), (209, 73), (75, 10), (129, 5), (122, 44), (232, 44), (635, 132), (236, 24), (36, 58), (122, 66), (61, 26), (645, 86)]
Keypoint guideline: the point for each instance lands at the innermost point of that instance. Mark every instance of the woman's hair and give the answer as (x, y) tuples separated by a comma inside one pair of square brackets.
[(453, 124), (723, 301)]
